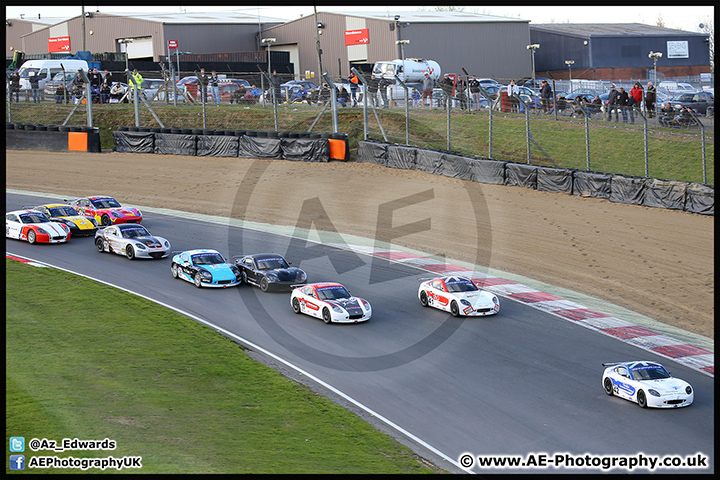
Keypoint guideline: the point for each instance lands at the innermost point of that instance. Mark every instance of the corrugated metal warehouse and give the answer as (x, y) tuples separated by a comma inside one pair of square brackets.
[(609, 51)]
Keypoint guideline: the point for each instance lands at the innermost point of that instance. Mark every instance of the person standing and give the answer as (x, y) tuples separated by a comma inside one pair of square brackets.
[(460, 91), (623, 100), (513, 92), (650, 99), (372, 86), (78, 84), (276, 81), (545, 95), (447, 88), (35, 86), (107, 77), (474, 85), (427, 92), (354, 82), (203, 81), (95, 81), (612, 103), (15, 86), (105, 92), (136, 83), (383, 85), (215, 87)]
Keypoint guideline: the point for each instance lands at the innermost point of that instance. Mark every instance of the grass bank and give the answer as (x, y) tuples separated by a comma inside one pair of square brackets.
[(86, 361), (613, 148)]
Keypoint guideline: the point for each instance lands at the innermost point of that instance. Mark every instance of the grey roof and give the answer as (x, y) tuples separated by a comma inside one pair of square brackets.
[(200, 17), (587, 30), (42, 21), (419, 16)]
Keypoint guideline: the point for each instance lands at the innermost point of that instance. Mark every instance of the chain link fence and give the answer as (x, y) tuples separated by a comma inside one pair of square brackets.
[(513, 129)]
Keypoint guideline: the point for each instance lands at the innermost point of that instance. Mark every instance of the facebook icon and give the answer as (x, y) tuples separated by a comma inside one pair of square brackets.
[(17, 462)]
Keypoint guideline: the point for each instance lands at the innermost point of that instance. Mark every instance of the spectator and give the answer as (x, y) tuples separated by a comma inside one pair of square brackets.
[(428, 84), (667, 113), (135, 85), (372, 90), (300, 95), (324, 95), (650, 99), (203, 81), (253, 95), (474, 85), (313, 97), (105, 92), (637, 93), (15, 86), (214, 83), (447, 88), (60, 93), (78, 84), (545, 95), (35, 86), (276, 82), (95, 82), (238, 95), (513, 92), (460, 88), (383, 85), (612, 103), (624, 103), (354, 83), (415, 97), (107, 77), (116, 92), (560, 103)]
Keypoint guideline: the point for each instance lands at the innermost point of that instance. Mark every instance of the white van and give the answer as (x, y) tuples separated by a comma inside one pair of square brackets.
[(47, 69), (676, 87)]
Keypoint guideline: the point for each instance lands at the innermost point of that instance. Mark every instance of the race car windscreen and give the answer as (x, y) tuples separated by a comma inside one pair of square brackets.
[(208, 259), (332, 293), (62, 212), (272, 263), (34, 218), (135, 232), (106, 203), (649, 372), (461, 286)]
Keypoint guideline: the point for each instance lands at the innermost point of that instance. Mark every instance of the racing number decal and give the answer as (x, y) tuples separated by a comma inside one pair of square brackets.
[(434, 297)]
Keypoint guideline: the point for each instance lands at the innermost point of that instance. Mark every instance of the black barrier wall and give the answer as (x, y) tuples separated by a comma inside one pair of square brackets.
[(54, 138), (227, 143), (650, 192)]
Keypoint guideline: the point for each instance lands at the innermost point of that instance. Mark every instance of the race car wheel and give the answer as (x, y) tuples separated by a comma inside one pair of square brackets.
[(607, 384), (454, 310), (264, 284), (130, 252), (105, 220), (100, 245), (327, 318), (296, 305), (198, 280), (174, 270), (31, 236), (642, 400), (423, 298)]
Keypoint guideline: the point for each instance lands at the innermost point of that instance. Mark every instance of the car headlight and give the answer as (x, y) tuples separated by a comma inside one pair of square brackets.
[(465, 302), (116, 214), (365, 304), (93, 221), (654, 393), (141, 246), (138, 213), (301, 277), (337, 309), (235, 270), (167, 244), (688, 390), (495, 301), (40, 230), (206, 275)]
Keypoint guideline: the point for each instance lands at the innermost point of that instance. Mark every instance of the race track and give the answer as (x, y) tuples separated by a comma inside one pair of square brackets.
[(521, 382)]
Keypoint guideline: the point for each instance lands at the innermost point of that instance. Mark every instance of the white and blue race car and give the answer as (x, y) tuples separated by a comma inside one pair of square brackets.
[(646, 383), (205, 268)]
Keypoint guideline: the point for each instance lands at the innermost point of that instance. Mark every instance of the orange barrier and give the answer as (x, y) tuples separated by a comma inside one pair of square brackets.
[(337, 149)]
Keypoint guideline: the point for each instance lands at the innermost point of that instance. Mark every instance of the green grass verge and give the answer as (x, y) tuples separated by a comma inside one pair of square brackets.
[(614, 148), (86, 361)]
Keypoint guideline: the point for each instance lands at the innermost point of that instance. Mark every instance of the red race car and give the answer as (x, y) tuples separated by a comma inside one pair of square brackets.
[(105, 210), (34, 227)]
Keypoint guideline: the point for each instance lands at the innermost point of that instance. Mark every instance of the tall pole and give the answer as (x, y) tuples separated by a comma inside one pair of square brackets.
[(570, 63), (83, 27), (317, 41)]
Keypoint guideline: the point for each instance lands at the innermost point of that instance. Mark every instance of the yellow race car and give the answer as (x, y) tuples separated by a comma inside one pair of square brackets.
[(79, 225)]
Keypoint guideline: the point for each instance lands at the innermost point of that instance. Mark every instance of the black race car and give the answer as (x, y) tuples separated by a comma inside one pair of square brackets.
[(266, 270)]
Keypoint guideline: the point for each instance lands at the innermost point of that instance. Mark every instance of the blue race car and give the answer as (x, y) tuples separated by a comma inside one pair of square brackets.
[(205, 268)]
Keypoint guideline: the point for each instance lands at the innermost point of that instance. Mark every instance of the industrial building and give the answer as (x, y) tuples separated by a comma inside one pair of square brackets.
[(610, 51)]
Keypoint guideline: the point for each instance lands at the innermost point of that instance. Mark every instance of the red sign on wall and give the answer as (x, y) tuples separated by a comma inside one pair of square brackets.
[(357, 37), (58, 44)]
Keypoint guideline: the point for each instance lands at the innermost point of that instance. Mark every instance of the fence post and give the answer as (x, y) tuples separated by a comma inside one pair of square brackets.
[(645, 135), (449, 107), (365, 103), (527, 131), (333, 101), (9, 96), (407, 110), (136, 100), (702, 136), (88, 99)]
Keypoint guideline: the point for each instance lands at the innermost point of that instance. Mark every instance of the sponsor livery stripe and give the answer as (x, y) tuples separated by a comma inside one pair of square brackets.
[(692, 356)]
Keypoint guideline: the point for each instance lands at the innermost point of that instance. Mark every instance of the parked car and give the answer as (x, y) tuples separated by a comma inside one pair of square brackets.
[(51, 86), (292, 84), (228, 86), (698, 101), (150, 87)]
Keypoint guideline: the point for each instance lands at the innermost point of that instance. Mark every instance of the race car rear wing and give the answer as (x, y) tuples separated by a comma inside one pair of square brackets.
[(611, 364)]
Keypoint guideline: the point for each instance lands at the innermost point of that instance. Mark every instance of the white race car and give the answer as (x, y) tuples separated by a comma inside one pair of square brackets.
[(132, 240), (331, 302), (459, 296), (34, 227), (646, 383)]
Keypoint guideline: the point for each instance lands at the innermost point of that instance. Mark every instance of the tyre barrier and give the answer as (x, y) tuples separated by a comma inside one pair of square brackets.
[(650, 192), (201, 142), (54, 138)]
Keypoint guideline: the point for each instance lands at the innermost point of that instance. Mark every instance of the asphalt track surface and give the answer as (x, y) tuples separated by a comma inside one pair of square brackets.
[(518, 383)]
